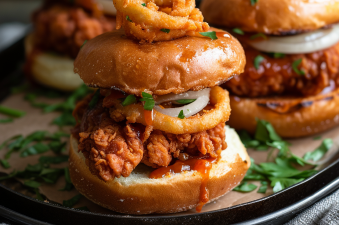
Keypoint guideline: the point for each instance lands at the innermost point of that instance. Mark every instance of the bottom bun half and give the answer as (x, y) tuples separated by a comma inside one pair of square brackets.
[(50, 69), (291, 117), (138, 194)]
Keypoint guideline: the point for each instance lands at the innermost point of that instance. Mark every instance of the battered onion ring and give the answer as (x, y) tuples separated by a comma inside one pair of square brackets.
[(145, 23), (219, 114)]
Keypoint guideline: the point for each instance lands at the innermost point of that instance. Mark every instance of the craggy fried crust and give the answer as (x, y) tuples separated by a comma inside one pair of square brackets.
[(137, 194)]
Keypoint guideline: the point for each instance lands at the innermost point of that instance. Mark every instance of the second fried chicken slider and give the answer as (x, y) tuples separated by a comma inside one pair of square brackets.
[(152, 139), (291, 77), (60, 29)]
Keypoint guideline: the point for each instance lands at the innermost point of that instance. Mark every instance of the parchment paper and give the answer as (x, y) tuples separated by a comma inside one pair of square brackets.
[(36, 120)]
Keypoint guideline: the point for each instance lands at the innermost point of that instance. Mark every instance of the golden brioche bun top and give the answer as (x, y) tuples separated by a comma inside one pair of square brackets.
[(111, 60), (272, 16)]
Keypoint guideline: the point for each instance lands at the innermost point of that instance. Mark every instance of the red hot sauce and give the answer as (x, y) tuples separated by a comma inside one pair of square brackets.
[(203, 166)]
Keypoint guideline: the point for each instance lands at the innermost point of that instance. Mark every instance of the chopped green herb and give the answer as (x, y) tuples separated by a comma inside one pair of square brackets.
[(13, 174), (165, 30), (253, 2), (83, 44), (129, 100), (5, 143), (263, 187), (32, 184), (38, 195), (35, 149), (277, 55), (57, 146), (128, 19), (19, 89), (238, 31), (65, 119), (279, 184), (4, 163), (94, 99), (181, 114), (317, 138), (71, 202), (210, 34), (255, 36), (8, 120), (295, 66), (281, 172), (185, 101), (245, 187), (143, 4), (11, 112), (319, 152), (69, 185), (257, 61), (149, 101), (53, 159)]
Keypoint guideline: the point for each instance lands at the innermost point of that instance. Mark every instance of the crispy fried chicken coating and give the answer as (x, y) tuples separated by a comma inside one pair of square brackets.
[(64, 28), (113, 148), (276, 76)]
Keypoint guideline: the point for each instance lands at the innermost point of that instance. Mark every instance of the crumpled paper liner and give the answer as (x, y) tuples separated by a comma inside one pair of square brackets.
[(36, 120)]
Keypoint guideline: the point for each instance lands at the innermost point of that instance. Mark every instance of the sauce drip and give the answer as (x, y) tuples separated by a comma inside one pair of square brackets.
[(222, 34), (203, 166), (148, 115)]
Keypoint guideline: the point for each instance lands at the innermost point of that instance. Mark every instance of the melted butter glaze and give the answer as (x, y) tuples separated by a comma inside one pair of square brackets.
[(202, 165)]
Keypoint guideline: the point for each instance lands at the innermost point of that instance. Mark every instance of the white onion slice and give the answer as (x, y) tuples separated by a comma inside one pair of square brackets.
[(202, 98), (301, 43)]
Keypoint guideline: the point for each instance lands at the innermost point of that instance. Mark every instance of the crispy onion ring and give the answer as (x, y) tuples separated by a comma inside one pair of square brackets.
[(145, 23), (219, 114)]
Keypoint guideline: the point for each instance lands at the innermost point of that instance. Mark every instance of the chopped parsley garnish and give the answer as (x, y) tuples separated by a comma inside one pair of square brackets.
[(71, 202), (149, 101), (143, 4), (181, 114), (32, 184), (4, 163), (276, 55), (255, 36), (130, 99), (210, 34), (253, 2), (295, 66), (257, 61), (83, 44), (94, 99), (245, 187), (8, 120), (281, 173), (185, 101), (319, 152), (11, 112), (263, 187), (238, 31), (128, 19), (69, 185), (317, 138), (165, 30)]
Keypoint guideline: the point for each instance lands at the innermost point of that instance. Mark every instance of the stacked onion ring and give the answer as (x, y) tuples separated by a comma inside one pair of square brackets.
[(159, 20)]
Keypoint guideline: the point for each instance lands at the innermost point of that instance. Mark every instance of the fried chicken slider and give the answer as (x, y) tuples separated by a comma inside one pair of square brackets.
[(291, 77), (60, 29), (153, 139)]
